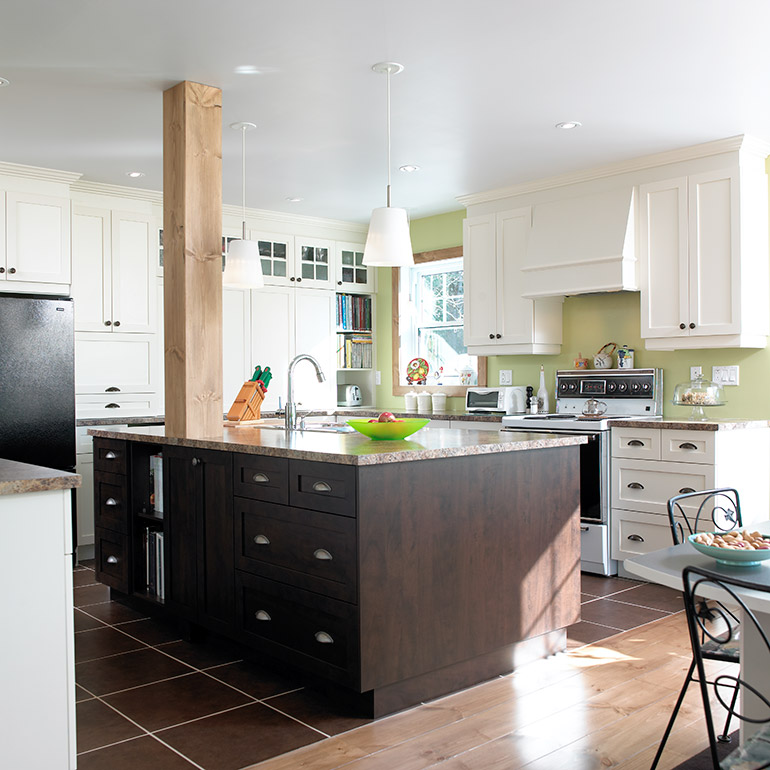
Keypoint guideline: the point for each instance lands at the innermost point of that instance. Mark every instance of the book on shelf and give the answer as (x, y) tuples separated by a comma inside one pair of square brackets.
[(156, 471), (354, 352), (354, 312)]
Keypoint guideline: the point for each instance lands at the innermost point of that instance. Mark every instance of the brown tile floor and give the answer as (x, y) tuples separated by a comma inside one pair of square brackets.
[(147, 699)]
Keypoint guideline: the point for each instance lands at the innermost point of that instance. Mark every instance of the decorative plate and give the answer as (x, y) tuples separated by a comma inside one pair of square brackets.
[(417, 371)]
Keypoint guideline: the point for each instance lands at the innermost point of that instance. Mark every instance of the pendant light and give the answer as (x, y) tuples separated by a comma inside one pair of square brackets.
[(388, 243), (243, 267)]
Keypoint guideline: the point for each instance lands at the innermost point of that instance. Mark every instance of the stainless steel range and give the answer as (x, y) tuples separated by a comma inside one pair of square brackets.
[(605, 394)]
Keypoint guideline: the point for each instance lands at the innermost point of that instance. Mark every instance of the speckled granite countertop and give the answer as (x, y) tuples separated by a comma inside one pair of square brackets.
[(691, 424), (353, 448), (18, 478)]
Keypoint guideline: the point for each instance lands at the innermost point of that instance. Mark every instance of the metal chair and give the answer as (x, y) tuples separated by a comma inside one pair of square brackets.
[(755, 753), (717, 510)]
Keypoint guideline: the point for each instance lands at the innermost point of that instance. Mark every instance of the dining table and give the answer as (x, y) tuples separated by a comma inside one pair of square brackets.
[(665, 567)]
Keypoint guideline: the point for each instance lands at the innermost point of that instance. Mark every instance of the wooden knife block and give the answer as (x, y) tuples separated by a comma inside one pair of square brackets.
[(248, 403)]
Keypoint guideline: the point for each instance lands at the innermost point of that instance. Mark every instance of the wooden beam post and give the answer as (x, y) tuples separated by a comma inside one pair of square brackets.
[(192, 259)]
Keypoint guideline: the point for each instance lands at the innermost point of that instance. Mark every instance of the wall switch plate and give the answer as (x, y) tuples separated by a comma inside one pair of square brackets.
[(506, 377), (695, 372), (725, 375), (377, 377)]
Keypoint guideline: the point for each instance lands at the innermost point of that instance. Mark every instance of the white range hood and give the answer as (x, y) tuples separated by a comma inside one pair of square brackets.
[(582, 245)]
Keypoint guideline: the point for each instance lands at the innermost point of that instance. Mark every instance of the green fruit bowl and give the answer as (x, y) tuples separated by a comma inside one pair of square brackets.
[(727, 556), (389, 430)]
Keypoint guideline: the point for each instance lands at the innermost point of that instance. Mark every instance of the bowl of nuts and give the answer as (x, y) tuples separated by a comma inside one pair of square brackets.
[(736, 549)]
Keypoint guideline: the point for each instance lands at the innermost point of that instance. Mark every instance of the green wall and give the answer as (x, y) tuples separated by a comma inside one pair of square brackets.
[(589, 322)]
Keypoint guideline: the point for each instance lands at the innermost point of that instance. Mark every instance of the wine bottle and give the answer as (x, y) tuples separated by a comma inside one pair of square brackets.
[(542, 394)]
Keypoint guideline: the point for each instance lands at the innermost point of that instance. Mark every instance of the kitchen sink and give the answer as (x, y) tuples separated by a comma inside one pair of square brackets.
[(311, 427)]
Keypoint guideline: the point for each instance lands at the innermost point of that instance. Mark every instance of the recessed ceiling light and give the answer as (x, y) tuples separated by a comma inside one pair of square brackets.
[(409, 168), (568, 124), (253, 69), (293, 200), (134, 174), (4, 82)]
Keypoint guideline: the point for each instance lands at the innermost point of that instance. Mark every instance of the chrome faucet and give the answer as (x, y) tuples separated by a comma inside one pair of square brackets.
[(291, 407)]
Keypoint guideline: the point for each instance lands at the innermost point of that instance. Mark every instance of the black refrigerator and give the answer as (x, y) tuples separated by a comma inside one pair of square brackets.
[(37, 380)]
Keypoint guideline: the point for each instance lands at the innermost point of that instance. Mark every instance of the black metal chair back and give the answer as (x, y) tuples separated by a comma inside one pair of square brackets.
[(699, 585), (717, 510)]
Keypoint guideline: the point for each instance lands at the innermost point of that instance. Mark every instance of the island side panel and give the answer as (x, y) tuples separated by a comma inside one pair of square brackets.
[(462, 556)]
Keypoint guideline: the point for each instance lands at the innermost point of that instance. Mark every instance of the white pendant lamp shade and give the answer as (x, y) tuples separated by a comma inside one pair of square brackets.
[(243, 267), (388, 243)]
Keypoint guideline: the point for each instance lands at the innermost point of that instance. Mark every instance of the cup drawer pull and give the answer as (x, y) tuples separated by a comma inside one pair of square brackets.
[(323, 638), (321, 486), (635, 442), (110, 455), (322, 554), (112, 560), (262, 540), (260, 478), (111, 501), (635, 485), (262, 615), (636, 538), (112, 405), (686, 490), (687, 445)]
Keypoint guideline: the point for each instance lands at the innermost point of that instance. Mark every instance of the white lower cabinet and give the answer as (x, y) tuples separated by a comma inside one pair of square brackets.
[(652, 465)]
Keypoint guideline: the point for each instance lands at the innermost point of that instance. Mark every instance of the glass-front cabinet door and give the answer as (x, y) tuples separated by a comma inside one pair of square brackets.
[(313, 263), (351, 274), (277, 255)]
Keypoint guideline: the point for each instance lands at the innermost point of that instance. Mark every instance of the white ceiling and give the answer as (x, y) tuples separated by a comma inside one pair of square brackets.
[(484, 84)]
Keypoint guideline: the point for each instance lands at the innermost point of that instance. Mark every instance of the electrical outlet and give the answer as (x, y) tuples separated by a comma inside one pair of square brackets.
[(695, 372), (377, 377), (506, 377), (725, 375)]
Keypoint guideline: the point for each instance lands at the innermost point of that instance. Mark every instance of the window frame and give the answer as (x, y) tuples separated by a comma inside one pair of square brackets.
[(398, 389)]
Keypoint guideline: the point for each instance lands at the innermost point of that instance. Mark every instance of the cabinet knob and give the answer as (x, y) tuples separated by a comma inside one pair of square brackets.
[(321, 486), (322, 554), (682, 326), (112, 389), (491, 336), (117, 323), (262, 615), (686, 490), (292, 278), (112, 405), (2, 269), (636, 538), (635, 485), (687, 445), (323, 638), (339, 283), (299, 280), (111, 501), (692, 325), (108, 323), (12, 270), (110, 455), (260, 478), (261, 540), (195, 461), (498, 336), (112, 560), (635, 442)]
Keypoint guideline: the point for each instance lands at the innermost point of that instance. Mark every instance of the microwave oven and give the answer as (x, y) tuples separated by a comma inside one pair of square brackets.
[(510, 400)]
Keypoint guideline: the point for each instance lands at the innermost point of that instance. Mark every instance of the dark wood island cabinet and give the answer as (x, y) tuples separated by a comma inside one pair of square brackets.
[(398, 570)]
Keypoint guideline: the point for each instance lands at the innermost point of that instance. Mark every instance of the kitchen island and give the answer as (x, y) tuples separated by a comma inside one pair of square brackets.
[(399, 570)]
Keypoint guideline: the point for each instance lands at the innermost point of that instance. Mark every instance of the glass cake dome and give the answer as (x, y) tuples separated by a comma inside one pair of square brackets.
[(699, 393)]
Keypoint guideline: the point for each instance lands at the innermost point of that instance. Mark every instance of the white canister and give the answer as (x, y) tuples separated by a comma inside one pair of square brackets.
[(410, 401), (439, 402), (423, 402), (625, 357)]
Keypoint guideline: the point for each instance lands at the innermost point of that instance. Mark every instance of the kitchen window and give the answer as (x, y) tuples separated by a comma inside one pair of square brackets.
[(428, 323)]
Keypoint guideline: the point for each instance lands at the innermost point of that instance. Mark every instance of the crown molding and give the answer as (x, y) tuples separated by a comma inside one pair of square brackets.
[(117, 190), (293, 219), (39, 173), (742, 142)]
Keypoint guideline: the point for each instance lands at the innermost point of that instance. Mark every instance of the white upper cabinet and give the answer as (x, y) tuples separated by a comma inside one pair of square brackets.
[(113, 271), (300, 261), (498, 320), (37, 239), (704, 253), (352, 275)]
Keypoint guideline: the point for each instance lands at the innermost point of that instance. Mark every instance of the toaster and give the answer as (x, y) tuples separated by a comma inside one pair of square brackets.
[(349, 395)]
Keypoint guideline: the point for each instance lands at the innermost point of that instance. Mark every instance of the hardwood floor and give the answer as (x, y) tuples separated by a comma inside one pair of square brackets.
[(594, 707)]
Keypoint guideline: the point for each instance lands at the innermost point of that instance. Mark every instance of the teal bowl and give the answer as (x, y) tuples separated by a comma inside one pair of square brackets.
[(728, 556), (389, 430)]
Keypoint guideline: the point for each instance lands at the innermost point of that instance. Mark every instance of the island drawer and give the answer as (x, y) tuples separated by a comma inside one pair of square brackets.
[(110, 455), (315, 551), (328, 487), (110, 496), (111, 559), (261, 478), (313, 625)]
